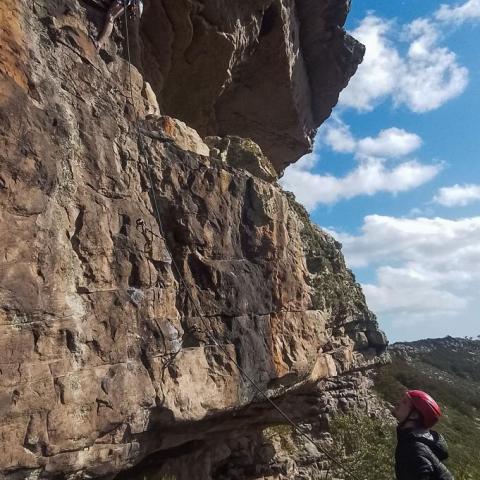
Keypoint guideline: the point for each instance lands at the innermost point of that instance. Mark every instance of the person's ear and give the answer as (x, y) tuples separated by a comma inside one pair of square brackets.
[(414, 415)]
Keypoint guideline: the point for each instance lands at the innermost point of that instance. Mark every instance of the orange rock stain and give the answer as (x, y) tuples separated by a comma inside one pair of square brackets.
[(12, 49), (276, 346)]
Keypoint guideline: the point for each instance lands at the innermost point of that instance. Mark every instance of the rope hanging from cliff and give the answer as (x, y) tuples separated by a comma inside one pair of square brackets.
[(300, 431)]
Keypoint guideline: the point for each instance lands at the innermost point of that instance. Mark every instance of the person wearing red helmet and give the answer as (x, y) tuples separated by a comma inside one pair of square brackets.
[(420, 451)]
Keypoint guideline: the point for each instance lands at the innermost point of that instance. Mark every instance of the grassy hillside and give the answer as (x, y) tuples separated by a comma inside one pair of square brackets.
[(449, 369)]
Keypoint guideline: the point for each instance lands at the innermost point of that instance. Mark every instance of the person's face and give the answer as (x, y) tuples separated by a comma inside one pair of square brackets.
[(403, 409)]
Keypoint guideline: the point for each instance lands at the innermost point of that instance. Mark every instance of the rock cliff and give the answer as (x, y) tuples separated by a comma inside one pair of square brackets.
[(269, 70), (142, 263)]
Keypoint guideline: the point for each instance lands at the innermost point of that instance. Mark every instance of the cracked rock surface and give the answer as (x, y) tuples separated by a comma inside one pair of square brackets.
[(129, 251)]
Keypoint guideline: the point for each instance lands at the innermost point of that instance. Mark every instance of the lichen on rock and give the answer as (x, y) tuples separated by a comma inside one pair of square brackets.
[(243, 153)]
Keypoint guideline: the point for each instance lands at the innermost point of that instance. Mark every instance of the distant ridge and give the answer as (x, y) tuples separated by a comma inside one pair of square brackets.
[(448, 340)]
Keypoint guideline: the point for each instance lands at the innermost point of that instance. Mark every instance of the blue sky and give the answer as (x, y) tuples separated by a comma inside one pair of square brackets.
[(395, 174)]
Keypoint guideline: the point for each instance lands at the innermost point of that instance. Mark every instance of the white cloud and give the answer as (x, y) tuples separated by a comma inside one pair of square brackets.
[(410, 239), (458, 195), (376, 76), (432, 75), (338, 137), (460, 13), (371, 176), (389, 143), (307, 162), (427, 270), (415, 299), (423, 79), (393, 142)]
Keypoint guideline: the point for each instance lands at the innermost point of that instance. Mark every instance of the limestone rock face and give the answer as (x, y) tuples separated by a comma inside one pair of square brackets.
[(140, 275)]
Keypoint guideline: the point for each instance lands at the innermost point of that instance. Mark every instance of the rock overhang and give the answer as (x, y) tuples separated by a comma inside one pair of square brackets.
[(269, 70)]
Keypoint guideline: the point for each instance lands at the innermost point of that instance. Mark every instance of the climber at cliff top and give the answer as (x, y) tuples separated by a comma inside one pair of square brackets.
[(420, 451), (117, 8)]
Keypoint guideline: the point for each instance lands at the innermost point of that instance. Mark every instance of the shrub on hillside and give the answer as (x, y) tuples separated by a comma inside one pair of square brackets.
[(367, 445)]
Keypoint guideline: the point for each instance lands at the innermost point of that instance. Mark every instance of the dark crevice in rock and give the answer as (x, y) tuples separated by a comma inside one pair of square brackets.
[(152, 464), (134, 280), (71, 341), (76, 243), (148, 364), (36, 332), (125, 224), (270, 17)]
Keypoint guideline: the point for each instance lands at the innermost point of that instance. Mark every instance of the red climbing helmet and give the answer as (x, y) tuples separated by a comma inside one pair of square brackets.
[(426, 405)]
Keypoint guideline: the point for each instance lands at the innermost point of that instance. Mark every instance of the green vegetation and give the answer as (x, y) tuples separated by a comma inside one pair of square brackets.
[(334, 285), (367, 444), (281, 434)]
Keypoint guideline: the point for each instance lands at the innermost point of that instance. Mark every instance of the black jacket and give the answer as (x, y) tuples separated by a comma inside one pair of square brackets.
[(419, 456)]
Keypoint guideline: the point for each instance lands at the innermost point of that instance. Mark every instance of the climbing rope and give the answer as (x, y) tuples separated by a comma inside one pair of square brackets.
[(300, 431)]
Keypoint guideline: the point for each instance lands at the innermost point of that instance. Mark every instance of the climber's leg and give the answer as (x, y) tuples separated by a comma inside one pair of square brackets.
[(115, 10)]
